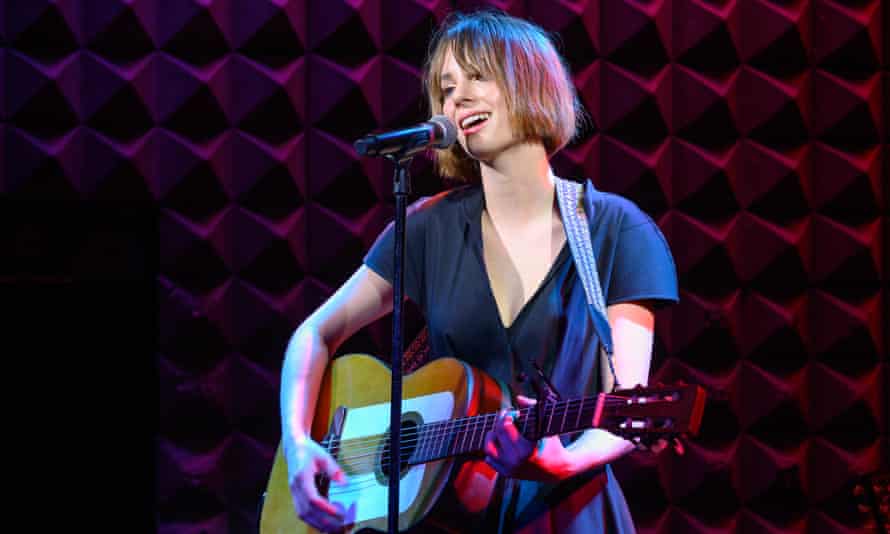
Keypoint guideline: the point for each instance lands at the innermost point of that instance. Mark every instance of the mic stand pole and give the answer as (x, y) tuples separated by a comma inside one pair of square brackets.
[(401, 190)]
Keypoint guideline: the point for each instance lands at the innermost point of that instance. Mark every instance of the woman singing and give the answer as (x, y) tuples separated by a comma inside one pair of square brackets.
[(489, 266)]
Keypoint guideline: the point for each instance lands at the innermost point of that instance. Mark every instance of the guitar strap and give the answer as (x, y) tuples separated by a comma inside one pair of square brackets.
[(569, 195), (418, 352)]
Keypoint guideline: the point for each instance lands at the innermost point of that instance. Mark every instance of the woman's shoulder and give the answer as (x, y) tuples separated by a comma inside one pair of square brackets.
[(612, 208), (446, 204)]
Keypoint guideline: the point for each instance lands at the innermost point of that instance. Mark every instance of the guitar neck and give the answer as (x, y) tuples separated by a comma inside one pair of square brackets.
[(435, 441), (640, 414)]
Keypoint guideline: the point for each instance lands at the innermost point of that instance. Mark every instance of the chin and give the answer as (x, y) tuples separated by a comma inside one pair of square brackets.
[(478, 151), (480, 157)]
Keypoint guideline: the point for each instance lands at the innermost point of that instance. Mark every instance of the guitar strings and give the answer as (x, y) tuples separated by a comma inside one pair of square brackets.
[(443, 429), (352, 487), (356, 459)]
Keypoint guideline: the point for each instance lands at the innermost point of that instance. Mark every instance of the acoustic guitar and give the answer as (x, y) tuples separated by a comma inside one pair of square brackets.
[(448, 406)]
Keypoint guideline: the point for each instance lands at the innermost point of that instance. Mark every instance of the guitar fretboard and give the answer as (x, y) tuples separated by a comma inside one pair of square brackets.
[(434, 441), (640, 414)]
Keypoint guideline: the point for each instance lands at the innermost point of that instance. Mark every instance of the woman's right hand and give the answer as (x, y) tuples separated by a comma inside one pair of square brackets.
[(305, 460)]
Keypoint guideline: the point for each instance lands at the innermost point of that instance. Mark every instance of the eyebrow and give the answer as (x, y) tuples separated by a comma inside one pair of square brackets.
[(446, 77)]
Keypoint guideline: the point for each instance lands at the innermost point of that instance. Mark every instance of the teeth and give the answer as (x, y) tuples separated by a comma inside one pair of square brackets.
[(472, 119)]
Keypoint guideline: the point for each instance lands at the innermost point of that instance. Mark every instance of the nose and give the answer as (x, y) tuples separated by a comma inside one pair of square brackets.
[(460, 94)]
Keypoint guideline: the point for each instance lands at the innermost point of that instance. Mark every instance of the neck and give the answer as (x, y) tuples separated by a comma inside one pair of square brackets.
[(517, 186), (467, 435)]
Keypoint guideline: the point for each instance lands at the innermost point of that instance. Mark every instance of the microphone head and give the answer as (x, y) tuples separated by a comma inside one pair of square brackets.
[(364, 145), (447, 129)]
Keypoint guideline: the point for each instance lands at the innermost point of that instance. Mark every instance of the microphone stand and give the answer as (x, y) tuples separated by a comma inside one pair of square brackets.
[(401, 190), (399, 147)]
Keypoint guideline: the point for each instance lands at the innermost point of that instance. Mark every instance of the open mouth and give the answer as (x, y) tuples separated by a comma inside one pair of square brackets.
[(474, 122)]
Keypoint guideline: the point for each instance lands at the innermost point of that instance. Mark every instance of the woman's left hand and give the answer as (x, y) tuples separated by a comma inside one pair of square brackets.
[(511, 454)]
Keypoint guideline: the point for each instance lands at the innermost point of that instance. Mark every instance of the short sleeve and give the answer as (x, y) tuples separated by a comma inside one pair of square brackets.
[(380, 256), (643, 267)]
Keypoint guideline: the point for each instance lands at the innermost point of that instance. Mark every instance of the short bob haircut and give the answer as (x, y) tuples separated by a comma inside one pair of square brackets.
[(539, 93)]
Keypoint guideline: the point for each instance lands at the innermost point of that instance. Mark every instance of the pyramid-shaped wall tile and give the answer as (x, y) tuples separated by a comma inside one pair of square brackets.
[(753, 132)]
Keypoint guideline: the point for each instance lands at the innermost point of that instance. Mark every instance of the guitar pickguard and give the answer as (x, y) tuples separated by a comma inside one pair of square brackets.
[(363, 496)]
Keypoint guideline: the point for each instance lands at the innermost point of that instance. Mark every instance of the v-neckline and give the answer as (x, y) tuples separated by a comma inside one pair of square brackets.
[(554, 266), (551, 272)]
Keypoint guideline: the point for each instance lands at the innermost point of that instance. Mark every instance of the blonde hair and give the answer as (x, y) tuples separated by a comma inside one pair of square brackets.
[(539, 92)]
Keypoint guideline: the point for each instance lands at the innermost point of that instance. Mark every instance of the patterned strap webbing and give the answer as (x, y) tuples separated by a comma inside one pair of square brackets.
[(418, 352), (574, 219)]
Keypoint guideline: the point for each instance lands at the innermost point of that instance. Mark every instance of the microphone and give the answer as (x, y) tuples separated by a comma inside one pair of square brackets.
[(438, 132)]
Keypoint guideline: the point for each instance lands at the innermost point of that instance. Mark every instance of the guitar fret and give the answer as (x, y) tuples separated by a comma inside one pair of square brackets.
[(436, 440), (550, 419), (418, 442), (460, 436), (452, 437), (421, 442), (469, 425), (468, 435), (565, 411), (430, 452), (483, 430), (471, 431), (443, 439), (429, 449), (578, 419), (441, 446), (481, 433)]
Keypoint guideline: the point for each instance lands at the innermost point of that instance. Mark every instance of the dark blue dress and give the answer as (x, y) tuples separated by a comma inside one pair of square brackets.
[(445, 275)]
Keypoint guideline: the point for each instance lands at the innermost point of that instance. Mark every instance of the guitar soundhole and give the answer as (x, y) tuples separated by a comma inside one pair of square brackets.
[(409, 445)]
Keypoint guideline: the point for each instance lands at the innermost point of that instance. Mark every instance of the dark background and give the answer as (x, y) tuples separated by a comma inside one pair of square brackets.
[(178, 191)]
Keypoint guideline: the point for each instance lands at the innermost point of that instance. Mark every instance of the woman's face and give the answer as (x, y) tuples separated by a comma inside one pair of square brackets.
[(476, 105)]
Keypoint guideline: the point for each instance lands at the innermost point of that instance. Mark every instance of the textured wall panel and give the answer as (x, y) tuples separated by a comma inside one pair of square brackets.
[(754, 132)]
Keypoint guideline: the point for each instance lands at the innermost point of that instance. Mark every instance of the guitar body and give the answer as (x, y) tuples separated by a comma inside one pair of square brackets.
[(442, 390)]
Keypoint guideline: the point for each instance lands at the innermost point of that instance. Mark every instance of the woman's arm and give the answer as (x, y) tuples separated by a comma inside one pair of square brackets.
[(365, 297), (510, 454), (633, 325)]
